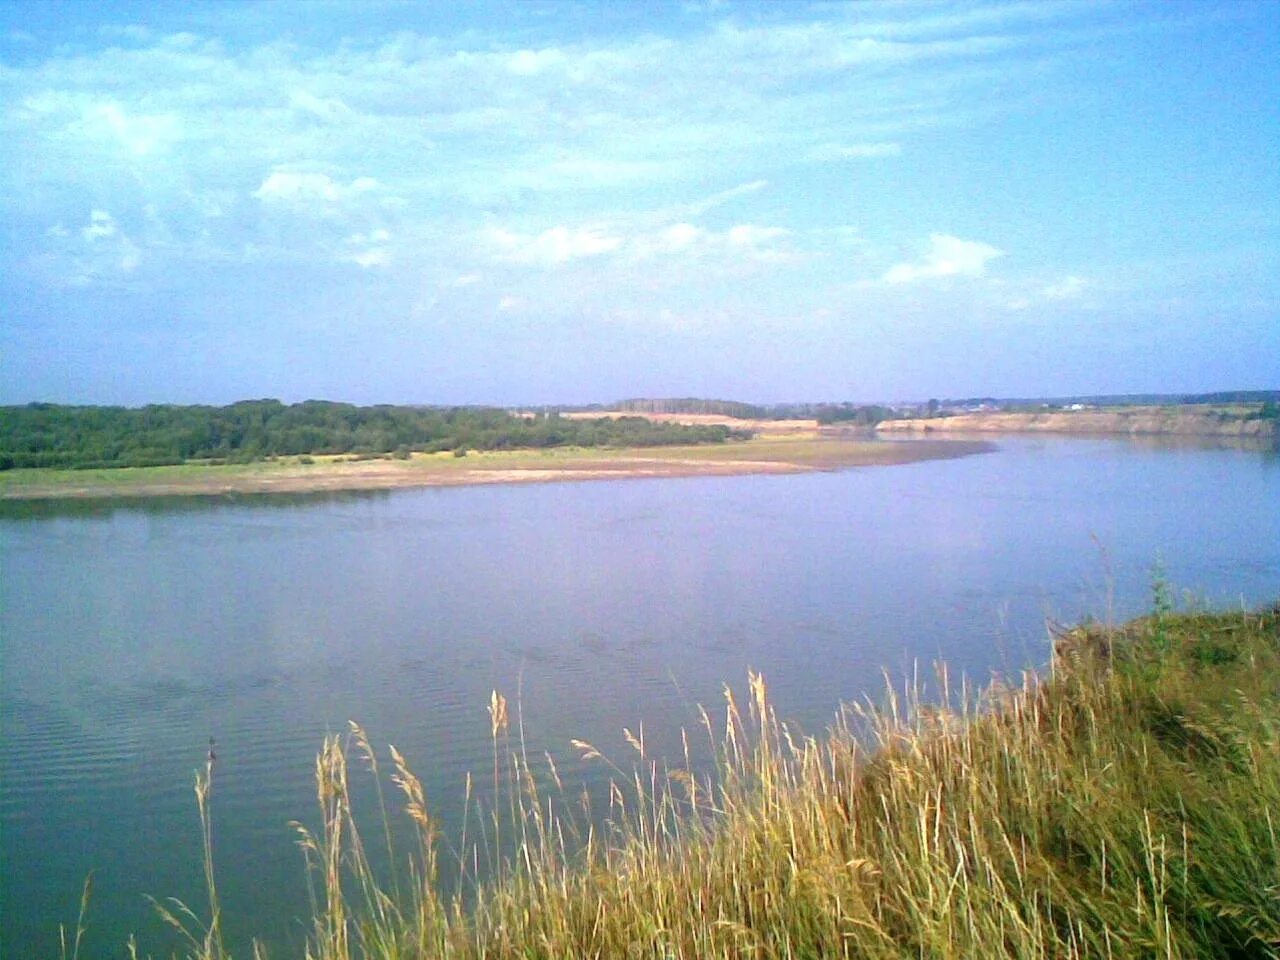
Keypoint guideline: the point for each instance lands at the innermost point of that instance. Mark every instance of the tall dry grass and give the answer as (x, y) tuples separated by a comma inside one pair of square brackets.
[(1125, 805)]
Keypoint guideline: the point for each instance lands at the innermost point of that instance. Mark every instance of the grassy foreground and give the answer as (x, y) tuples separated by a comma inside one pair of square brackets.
[(1126, 805)]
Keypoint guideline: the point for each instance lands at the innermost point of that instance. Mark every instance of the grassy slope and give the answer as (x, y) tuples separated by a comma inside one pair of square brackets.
[(1125, 807)]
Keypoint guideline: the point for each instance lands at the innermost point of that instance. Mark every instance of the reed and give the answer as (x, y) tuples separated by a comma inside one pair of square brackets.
[(1122, 805)]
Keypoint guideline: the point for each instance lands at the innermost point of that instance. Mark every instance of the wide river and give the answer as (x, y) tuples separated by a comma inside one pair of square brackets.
[(132, 633)]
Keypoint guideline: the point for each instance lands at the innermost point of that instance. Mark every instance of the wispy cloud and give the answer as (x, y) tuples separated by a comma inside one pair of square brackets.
[(101, 224), (372, 249), (947, 256), (561, 245), (1068, 288), (309, 189), (723, 197), (428, 135), (557, 245), (747, 168), (856, 151), (743, 241)]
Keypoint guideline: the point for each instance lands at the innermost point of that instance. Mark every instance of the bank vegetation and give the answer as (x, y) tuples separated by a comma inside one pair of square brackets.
[(46, 435), (1124, 804)]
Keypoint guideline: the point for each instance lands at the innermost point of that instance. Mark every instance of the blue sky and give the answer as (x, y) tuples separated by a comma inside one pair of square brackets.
[(527, 203)]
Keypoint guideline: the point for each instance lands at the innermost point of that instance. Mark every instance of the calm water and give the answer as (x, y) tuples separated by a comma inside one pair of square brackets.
[(131, 634)]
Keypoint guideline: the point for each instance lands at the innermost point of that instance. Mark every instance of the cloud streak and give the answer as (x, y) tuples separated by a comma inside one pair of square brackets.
[(552, 247), (420, 134), (947, 256), (757, 178), (310, 189)]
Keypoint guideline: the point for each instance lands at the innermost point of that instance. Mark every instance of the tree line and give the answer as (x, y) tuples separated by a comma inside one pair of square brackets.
[(54, 435), (860, 414)]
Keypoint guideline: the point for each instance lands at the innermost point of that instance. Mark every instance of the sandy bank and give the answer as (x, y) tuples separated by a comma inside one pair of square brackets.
[(751, 457), (1178, 421)]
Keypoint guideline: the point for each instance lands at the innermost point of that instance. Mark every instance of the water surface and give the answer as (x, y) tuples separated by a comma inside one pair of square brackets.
[(133, 632)]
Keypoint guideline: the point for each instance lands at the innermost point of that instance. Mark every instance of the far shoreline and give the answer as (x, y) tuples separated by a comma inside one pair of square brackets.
[(293, 475), (1127, 421)]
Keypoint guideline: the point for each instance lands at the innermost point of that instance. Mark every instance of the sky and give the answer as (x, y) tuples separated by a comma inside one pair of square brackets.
[(525, 203)]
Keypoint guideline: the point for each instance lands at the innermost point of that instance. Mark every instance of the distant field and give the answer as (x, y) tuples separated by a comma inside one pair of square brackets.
[(770, 454), (759, 427)]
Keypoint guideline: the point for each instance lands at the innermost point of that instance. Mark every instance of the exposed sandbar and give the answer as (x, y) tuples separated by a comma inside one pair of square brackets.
[(291, 475)]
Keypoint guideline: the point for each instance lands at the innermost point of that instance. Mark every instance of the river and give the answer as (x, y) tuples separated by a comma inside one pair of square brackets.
[(132, 632)]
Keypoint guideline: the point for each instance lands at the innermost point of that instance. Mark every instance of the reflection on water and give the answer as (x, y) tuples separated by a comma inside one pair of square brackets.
[(84, 507), (134, 631), (1267, 446)]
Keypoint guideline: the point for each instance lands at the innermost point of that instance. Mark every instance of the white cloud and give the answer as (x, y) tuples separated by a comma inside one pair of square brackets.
[(509, 304), (575, 172), (369, 249), (326, 108), (947, 256), (860, 150), (678, 238), (229, 138), (636, 242), (101, 225), (724, 196), (855, 151), (843, 236), (129, 256), (304, 189), (465, 280), (106, 253), (140, 134), (134, 33), (529, 63), (373, 257), (552, 247), (1068, 288), (684, 240), (749, 236)]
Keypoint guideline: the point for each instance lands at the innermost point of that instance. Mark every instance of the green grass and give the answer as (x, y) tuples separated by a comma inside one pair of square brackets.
[(196, 471), (1125, 805), (123, 480)]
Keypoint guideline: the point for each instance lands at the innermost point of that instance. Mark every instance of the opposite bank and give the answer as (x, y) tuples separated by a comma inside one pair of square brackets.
[(1176, 421)]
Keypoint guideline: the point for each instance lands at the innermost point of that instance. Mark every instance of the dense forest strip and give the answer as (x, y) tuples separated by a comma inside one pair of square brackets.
[(51, 435)]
